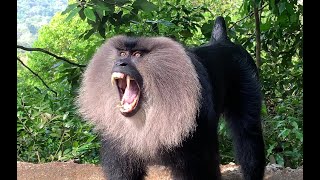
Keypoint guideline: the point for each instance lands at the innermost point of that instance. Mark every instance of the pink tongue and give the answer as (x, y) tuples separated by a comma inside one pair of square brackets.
[(130, 94)]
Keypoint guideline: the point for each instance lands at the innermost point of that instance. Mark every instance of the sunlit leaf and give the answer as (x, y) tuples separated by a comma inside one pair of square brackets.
[(72, 13), (90, 14), (69, 8)]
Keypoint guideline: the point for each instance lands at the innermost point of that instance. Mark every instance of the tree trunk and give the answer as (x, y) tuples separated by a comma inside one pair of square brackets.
[(258, 40)]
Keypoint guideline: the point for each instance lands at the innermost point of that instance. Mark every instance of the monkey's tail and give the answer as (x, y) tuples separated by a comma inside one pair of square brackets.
[(219, 31)]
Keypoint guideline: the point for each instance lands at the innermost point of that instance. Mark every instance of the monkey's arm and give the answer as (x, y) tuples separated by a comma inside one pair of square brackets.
[(118, 166)]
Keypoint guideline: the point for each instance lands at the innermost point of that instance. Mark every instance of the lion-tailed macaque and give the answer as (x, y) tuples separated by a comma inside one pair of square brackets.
[(154, 101)]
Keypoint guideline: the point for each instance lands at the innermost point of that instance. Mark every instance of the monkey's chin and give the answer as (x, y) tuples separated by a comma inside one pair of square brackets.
[(129, 114)]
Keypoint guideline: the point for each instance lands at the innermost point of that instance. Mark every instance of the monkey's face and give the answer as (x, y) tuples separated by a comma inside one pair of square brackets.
[(128, 79), (146, 73), (144, 92)]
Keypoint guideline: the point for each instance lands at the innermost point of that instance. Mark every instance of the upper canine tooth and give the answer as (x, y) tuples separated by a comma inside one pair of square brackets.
[(131, 78), (112, 80)]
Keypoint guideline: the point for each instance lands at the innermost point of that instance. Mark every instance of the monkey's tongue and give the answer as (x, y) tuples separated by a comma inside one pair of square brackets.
[(130, 94)]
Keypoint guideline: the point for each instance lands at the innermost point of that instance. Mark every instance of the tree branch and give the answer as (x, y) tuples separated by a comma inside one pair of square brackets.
[(37, 76), (51, 54), (249, 15)]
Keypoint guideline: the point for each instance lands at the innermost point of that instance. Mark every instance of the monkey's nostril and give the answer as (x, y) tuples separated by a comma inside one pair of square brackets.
[(121, 63)]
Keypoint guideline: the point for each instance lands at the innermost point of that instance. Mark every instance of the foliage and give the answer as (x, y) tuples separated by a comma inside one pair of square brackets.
[(141, 17), (281, 73), (285, 138), (83, 27), (49, 128), (32, 14)]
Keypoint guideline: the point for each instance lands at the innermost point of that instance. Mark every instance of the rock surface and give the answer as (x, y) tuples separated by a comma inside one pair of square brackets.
[(73, 171)]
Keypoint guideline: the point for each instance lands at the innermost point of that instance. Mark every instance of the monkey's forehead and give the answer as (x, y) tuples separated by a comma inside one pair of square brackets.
[(122, 42)]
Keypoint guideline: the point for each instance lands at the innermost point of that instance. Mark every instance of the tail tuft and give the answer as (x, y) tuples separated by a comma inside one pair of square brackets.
[(219, 32)]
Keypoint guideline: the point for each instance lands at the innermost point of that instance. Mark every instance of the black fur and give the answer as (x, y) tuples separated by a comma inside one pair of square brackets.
[(198, 157), (230, 86), (236, 93)]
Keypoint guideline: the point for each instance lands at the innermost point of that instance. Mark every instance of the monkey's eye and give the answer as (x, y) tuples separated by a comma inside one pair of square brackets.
[(136, 54), (122, 53)]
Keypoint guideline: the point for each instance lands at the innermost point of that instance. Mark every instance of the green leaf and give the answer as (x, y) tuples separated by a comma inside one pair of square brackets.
[(72, 14), (90, 14), (65, 116), (121, 2), (69, 8), (186, 33), (90, 139), (299, 135), (38, 89), (207, 28), (271, 4), (222, 126), (282, 7), (102, 32), (294, 18), (284, 133), (81, 14), (145, 5), (100, 12), (67, 151), (246, 6), (20, 127), (68, 124), (264, 110), (59, 154), (283, 21), (279, 159), (228, 20), (104, 8), (75, 144), (271, 147), (57, 135), (290, 8), (56, 65), (90, 32), (280, 109), (295, 125), (273, 7), (265, 26), (257, 3)]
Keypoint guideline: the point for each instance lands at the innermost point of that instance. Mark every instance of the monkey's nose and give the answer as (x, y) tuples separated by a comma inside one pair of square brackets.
[(121, 63)]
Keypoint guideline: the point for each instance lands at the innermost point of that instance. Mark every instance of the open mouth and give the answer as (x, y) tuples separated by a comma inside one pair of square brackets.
[(129, 92)]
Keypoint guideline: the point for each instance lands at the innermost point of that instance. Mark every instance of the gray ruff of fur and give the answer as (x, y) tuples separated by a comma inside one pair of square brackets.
[(170, 97)]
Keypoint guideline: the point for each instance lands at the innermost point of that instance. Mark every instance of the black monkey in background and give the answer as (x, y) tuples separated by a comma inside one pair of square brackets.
[(163, 104)]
